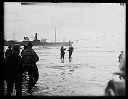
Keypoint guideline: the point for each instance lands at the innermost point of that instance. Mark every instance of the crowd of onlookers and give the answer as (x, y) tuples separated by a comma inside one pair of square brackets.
[(16, 64)]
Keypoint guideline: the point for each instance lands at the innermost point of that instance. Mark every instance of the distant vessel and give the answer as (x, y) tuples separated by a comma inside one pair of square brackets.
[(37, 42)]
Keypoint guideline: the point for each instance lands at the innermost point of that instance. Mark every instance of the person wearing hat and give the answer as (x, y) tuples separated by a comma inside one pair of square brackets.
[(122, 64), (13, 71), (30, 58), (116, 87)]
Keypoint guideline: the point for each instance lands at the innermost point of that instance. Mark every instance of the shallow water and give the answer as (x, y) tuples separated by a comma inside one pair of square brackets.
[(86, 75)]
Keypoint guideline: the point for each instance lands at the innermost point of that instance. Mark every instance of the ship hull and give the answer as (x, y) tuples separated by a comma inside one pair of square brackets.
[(36, 43)]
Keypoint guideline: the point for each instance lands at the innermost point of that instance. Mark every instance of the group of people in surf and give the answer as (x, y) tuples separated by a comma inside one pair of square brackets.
[(63, 52), (16, 65)]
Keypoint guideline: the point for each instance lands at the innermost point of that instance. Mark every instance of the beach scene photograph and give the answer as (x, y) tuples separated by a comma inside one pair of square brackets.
[(95, 32)]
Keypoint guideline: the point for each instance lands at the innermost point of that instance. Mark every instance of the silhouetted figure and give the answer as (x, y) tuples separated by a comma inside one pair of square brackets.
[(70, 52), (13, 71), (122, 65), (8, 51), (30, 58), (2, 78), (118, 87), (120, 56), (62, 52)]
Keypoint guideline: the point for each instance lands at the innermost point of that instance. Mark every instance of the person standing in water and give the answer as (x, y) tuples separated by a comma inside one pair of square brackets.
[(70, 52), (14, 71), (30, 58), (62, 52)]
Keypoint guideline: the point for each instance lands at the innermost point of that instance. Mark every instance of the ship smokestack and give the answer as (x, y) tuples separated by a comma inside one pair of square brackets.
[(35, 36)]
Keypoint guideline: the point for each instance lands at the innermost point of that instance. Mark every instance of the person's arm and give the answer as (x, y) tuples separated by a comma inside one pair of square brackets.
[(21, 53), (36, 58), (6, 53)]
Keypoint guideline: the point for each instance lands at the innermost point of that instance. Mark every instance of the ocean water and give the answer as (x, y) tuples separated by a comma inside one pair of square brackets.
[(86, 75)]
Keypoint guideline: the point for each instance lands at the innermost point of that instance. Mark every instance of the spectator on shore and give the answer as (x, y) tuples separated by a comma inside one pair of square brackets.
[(13, 71), (118, 87), (30, 58), (25, 71), (122, 65)]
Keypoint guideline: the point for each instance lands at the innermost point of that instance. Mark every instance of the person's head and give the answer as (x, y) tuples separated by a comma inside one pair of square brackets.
[(9, 47), (70, 45), (29, 45), (122, 51), (16, 48)]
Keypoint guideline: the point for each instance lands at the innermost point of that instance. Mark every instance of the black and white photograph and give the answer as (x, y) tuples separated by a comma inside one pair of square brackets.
[(64, 49)]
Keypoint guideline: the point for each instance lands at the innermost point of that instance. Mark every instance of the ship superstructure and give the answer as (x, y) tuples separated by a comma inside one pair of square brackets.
[(36, 42)]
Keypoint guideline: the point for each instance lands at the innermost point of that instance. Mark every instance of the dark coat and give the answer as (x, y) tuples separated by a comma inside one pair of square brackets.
[(13, 67), (62, 50), (70, 50)]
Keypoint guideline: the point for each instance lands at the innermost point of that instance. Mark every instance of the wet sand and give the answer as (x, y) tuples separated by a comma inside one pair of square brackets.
[(71, 80)]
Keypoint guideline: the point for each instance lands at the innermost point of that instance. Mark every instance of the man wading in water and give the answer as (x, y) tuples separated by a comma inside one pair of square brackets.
[(62, 53), (70, 52)]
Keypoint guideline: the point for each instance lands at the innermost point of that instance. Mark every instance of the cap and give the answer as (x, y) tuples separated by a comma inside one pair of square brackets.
[(16, 47), (29, 44)]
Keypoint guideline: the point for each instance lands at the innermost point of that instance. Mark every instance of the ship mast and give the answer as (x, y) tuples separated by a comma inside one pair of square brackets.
[(55, 34), (14, 32)]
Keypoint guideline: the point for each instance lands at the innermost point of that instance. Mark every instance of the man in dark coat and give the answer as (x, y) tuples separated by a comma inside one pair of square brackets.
[(30, 58), (13, 71), (70, 52)]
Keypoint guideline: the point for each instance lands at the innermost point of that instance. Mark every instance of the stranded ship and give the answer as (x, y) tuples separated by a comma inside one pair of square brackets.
[(37, 42)]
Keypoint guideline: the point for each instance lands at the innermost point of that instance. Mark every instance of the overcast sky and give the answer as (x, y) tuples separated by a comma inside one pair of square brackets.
[(73, 21)]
